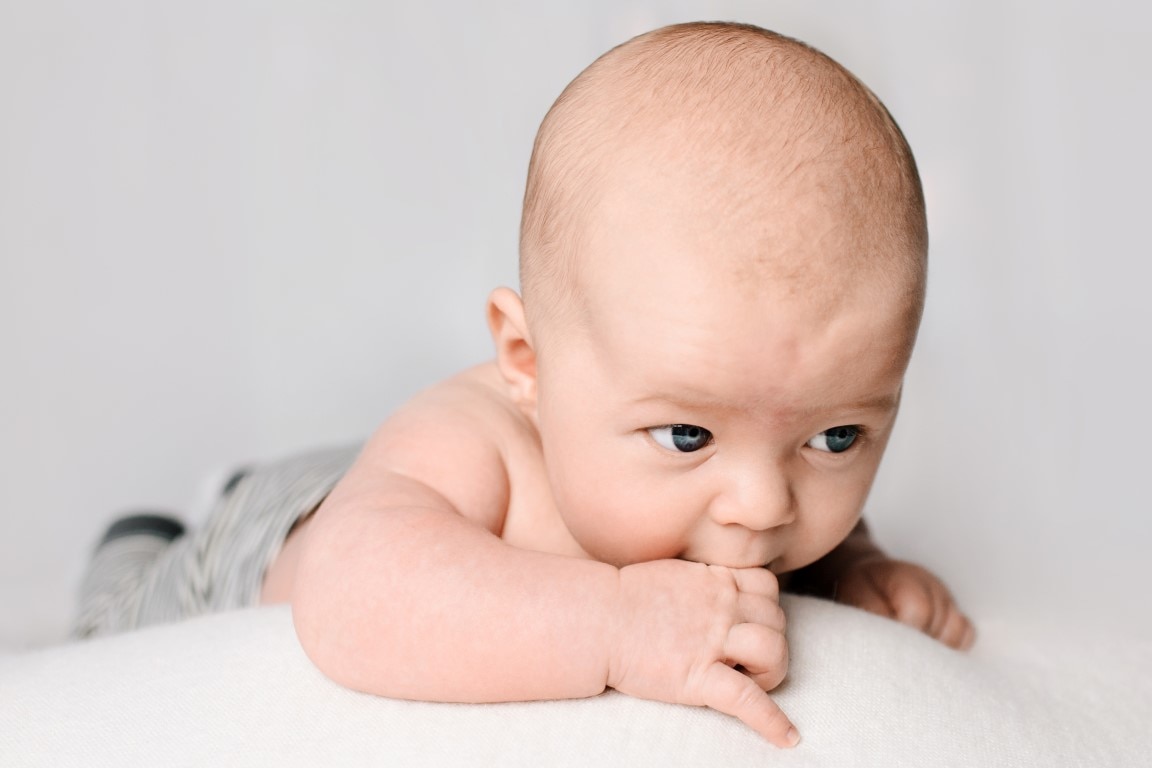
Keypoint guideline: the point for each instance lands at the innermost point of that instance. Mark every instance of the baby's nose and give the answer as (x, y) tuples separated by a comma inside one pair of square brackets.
[(757, 499)]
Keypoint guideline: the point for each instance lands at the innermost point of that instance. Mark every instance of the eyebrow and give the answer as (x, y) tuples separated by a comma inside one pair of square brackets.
[(702, 402), (879, 403), (699, 401)]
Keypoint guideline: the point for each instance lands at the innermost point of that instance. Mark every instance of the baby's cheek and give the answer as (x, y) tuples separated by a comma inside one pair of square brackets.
[(620, 524), (810, 543), (829, 512)]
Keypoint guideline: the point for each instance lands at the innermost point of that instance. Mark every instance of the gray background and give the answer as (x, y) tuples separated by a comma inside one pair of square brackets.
[(230, 230)]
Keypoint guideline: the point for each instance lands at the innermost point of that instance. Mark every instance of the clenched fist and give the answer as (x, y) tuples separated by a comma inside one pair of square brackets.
[(703, 635)]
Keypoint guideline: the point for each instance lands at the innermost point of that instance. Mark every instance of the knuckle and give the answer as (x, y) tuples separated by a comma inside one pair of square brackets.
[(774, 678), (770, 578), (748, 696), (912, 605), (776, 643), (909, 589), (771, 678)]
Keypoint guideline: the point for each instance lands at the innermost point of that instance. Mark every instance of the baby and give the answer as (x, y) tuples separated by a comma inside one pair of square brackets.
[(722, 268)]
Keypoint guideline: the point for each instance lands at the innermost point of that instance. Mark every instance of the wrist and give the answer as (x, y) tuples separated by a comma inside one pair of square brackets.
[(615, 632)]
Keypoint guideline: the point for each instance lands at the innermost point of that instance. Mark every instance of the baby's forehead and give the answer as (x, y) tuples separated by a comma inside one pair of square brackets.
[(721, 261), (732, 216), (776, 336)]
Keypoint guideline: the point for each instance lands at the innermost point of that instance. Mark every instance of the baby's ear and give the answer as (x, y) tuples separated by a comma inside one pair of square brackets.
[(514, 353)]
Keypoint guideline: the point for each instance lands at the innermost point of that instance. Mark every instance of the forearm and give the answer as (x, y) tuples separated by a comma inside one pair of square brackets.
[(820, 577), (422, 604)]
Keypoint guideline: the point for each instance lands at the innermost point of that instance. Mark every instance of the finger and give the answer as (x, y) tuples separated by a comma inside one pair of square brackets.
[(944, 615), (728, 691), (762, 652), (868, 598), (969, 638), (943, 608), (759, 609), (757, 581), (956, 630), (912, 604)]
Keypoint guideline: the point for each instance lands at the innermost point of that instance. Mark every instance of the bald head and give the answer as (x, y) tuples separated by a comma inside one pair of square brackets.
[(768, 134)]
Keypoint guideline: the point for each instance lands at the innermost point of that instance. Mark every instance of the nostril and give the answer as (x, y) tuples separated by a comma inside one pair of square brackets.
[(754, 518)]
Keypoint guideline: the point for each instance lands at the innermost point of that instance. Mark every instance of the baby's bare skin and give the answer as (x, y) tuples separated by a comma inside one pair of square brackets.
[(478, 397), (466, 603), (692, 397)]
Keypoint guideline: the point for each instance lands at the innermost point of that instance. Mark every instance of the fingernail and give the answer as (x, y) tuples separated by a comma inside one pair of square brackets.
[(792, 737)]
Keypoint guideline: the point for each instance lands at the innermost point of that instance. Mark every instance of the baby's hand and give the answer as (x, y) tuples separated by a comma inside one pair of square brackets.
[(683, 628), (909, 594)]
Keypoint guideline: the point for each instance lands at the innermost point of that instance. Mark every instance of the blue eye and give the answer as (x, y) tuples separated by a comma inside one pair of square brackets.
[(684, 438), (835, 440)]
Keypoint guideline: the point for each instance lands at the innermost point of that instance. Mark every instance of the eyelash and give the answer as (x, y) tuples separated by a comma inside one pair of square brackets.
[(710, 441), (862, 435)]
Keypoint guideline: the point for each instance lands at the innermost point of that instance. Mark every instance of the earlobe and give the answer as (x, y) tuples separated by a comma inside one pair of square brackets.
[(515, 355)]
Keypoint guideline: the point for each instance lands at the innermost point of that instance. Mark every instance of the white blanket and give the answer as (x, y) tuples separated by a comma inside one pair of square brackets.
[(235, 689)]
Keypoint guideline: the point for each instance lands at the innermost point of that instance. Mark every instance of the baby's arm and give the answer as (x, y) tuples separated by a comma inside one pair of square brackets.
[(858, 573), (403, 589)]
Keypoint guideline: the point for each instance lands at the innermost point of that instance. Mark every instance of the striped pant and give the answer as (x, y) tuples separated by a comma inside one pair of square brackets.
[(154, 573)]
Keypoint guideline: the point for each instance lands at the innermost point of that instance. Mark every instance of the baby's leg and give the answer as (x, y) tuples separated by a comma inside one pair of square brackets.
[(220, 565), (111, 589)]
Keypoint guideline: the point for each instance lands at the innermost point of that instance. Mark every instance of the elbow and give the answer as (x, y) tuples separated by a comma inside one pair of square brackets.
[(331, 642), (309, 618), (325, 627)]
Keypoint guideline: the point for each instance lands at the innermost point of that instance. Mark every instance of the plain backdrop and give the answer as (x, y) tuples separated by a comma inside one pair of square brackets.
[(231, 230)]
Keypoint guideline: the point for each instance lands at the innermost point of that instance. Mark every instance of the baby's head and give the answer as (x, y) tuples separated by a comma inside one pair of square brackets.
[(723, 266)]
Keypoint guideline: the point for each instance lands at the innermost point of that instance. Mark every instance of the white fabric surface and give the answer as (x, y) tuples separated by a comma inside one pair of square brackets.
[(235, 689)]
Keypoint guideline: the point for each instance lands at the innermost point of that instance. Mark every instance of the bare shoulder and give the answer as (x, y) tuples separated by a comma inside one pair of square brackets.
[(455, 438)]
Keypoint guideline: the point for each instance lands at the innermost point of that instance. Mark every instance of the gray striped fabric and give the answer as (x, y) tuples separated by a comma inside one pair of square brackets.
[(143, 579)]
